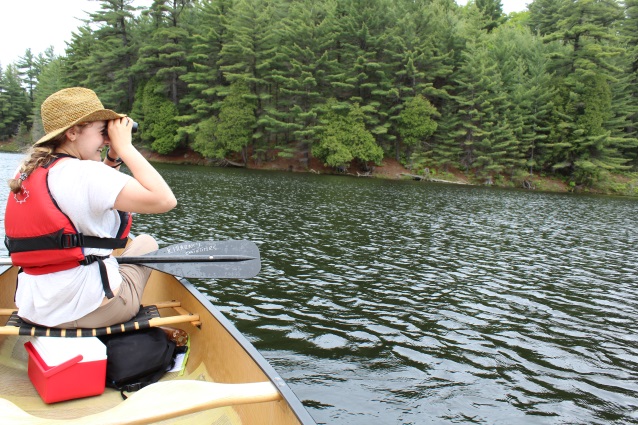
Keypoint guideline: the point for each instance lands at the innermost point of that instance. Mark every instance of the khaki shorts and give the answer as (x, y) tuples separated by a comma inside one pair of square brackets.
[(126, 303)]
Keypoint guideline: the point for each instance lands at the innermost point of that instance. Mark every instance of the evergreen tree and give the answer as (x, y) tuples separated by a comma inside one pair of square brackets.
[(28, 69), (532, 95), (627, 94), (582, 144), (14, 102), (51, 79), (416, 124), (251, 53), (486, 137), (164, 54), (344, 138), (363, 29), (79, 57), (544, 16), (492, 10), (113, 54), (522, 61), (447, 151), (306, 36), (159, 126), (205, 81), (427, 39), (232, 131)]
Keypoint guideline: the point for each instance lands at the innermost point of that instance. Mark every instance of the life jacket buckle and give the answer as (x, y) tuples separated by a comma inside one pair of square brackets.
[(72, 240)]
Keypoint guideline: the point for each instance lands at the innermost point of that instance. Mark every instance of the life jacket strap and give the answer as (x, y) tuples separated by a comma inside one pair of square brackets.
[(61, 240), (89, 259)]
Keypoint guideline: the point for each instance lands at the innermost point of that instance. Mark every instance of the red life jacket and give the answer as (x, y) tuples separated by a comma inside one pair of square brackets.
[(42, 239)]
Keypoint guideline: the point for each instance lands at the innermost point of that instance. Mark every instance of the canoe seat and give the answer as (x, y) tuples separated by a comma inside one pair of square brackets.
[(147, 317), (159, 401)]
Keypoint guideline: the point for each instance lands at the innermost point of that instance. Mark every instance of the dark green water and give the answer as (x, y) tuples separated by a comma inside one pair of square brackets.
[(388, 302)]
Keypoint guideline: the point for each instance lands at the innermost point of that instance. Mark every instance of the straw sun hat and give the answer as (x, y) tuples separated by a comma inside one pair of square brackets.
[(68, 107)]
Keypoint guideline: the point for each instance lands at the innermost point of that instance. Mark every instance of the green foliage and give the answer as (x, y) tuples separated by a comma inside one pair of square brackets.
[(165, 48), (164, 128), (344, 138), (205, 140), (233, 130), (492, 11), (159, 113), (551, 90), (14, 103), (416, 122), (236, 119), (332, 151), (285, 151)]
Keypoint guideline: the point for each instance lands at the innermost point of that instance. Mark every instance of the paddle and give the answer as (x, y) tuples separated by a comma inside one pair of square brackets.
[(206, 259)]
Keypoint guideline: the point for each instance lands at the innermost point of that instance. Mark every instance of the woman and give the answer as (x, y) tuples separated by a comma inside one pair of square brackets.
[(69, 209)]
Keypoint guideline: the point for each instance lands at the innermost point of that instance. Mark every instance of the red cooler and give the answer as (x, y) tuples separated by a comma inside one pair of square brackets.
[(66, 368)]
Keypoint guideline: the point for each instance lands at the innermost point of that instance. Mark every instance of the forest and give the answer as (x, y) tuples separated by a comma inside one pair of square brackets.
[(434, 85)]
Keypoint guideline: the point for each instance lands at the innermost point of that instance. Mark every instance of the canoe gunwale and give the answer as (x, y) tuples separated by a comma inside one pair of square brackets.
[(291, 398)]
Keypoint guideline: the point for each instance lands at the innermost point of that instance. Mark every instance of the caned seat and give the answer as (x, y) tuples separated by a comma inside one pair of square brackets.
[(148, 317)]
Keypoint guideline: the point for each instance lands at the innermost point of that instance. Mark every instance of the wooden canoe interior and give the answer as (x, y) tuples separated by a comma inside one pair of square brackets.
[(215, 356)]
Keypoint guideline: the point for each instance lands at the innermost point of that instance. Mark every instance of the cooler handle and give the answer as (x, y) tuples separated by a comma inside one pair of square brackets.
[(55, 369)]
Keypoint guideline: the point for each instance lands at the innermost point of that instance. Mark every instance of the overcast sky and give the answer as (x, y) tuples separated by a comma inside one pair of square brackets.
[(38, 24)]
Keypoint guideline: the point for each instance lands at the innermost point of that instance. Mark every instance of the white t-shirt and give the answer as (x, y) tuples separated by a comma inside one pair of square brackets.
[(85, 191)]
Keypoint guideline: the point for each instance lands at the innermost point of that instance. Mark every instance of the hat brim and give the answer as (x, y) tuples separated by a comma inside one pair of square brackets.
[(100, 115)]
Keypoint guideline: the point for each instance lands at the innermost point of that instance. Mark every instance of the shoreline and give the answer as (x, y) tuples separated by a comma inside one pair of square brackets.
[(389, 169)]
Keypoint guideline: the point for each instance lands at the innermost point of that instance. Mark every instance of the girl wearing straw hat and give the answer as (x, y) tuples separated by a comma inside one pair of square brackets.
[(69, 209)]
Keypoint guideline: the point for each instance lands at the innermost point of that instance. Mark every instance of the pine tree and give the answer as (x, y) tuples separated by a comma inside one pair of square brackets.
[(113, 54), (492, 10), (582, 144), (627, 94), (362, 29), (79, 57), (232, 131), (533, 96), (522, 62), (164, 53), (51, 79), (421, 53), (306, 35), (159, 127), (447, 145), (416, 124), (251, 53), (544, 16), (14, 102), (28, 69), (205, 81), (486, 138), (344, 138)]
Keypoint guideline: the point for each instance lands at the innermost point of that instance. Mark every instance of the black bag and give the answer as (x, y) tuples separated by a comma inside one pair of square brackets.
[(137, 359)]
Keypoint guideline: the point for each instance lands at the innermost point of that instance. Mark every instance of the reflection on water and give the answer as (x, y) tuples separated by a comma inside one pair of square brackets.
[(409, 303)]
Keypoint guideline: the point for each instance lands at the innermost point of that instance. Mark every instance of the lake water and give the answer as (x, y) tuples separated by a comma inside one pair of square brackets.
[(400, 302)]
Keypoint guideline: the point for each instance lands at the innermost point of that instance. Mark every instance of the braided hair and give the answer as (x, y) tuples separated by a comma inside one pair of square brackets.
[(38, 155)]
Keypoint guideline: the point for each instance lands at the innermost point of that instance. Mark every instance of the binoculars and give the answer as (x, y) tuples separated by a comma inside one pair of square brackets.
[(133, 129)]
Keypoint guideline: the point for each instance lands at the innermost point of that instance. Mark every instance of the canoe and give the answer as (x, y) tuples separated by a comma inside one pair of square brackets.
[(225, 380)]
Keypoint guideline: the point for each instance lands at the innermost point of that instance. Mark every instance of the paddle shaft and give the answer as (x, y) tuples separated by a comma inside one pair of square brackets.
[(183, 259), (168, 259)]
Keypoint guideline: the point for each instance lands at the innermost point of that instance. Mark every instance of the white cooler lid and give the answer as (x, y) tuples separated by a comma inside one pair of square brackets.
[(55, 350)]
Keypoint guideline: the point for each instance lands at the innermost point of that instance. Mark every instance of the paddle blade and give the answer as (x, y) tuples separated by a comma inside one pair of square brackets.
[(196, 265)]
